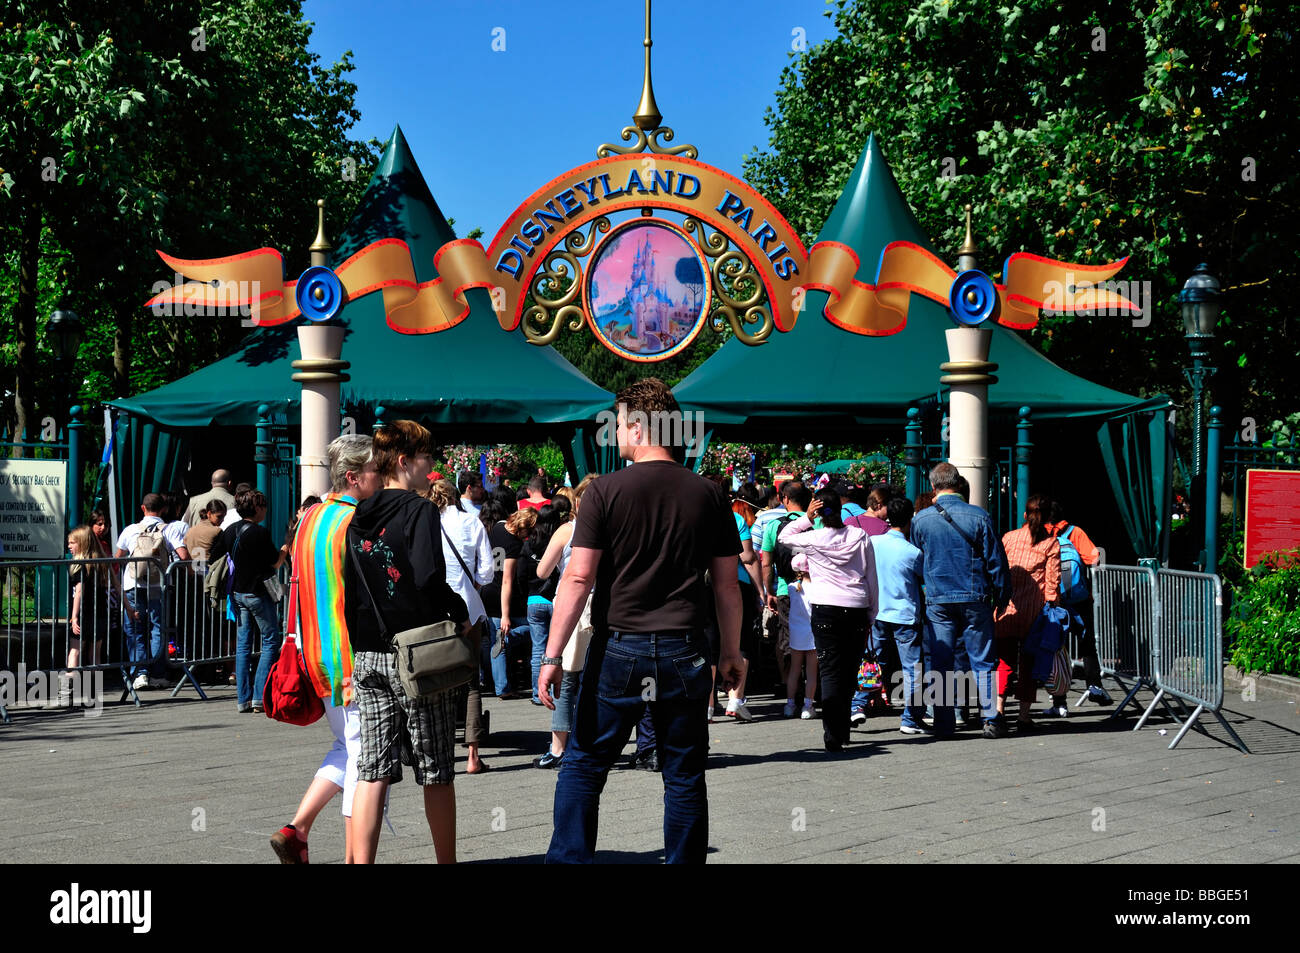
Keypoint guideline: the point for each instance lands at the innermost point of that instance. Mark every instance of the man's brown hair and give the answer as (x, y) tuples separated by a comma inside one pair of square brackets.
[(647, 395), (398, 438)]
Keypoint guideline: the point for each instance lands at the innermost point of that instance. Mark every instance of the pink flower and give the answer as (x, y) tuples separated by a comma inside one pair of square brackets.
[(365, 546), (393, 574)]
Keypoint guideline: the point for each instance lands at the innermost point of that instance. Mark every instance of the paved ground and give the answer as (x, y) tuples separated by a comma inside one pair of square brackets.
[(182, 780)]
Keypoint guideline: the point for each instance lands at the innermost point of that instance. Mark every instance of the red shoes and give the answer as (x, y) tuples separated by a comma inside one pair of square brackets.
[(289, 845)]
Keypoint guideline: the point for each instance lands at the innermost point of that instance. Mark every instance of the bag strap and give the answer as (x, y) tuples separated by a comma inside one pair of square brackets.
[(961, 532), (469, 576), (291, 628), (374, 606)]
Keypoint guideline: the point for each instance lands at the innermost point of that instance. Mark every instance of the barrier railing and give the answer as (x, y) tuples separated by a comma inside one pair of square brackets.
[(203, 634), (1163, 630), (1189, 634), (1125, 609), (37, 623), (38, 638)]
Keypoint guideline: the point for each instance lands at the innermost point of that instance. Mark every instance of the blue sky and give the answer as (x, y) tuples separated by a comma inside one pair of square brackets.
[(490, 127)]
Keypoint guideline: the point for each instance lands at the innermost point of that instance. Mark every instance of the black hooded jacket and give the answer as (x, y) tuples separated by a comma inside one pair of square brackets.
[(396, 536)]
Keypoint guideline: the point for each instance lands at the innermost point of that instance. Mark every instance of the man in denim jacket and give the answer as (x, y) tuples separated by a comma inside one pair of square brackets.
[(966, 576)]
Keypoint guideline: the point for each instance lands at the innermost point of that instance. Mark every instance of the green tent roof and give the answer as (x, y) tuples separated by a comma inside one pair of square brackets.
[(473, 374), (820, 370)]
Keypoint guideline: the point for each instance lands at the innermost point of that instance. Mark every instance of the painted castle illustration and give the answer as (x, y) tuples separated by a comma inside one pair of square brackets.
[(655, 321)]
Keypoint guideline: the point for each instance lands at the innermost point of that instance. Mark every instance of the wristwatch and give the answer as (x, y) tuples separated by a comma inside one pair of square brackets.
[(547, 660)]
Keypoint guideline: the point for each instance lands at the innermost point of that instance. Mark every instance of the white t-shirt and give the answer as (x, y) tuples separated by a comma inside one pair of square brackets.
[(126, 542), (232, 517), (801, 634), (175, 534)]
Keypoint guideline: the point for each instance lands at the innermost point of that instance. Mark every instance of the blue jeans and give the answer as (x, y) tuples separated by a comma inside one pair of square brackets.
[(670, 672), (539, 624), (908, 640), (972, 624), (500, 666), (254, 609), (146, 656), (565, 702)]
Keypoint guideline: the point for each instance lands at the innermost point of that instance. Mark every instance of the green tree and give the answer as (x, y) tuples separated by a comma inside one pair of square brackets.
[(1086, 132), (203, 129)]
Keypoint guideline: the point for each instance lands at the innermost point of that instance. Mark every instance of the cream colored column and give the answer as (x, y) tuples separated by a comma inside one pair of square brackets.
[(320, 372), (967, 375)]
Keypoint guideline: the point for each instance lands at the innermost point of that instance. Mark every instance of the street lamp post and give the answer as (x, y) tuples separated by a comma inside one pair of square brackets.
[(65, 332), (1199, 302)]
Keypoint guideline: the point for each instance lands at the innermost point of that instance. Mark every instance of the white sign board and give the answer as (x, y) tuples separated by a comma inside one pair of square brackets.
[(33, 507)]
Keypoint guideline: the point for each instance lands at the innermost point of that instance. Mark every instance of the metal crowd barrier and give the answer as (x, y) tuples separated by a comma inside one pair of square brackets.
[(38, 636), (1189, 634), (1125, 612), (203, 634), (1163, 630)]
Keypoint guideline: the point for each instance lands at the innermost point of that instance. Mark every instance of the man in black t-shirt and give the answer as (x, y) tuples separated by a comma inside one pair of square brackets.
[(644, 536)]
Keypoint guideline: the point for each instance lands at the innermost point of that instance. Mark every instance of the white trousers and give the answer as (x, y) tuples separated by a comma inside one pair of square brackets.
[(340, 764)]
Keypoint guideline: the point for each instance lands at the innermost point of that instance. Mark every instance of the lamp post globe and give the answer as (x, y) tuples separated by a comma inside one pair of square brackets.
[(65, 331), (1199, 302)]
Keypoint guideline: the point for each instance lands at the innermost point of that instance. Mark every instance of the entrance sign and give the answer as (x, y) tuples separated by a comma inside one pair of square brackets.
[(540, 268), (1271, 520), (33, 504)]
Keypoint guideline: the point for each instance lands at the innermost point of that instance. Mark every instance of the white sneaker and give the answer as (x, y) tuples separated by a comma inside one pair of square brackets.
[(789, 708), (807, 712), (913, 730), (141, 682), (1055, 711), (858, 718), (740, 712)]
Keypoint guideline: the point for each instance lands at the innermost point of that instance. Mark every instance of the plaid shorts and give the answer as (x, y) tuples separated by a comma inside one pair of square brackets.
[(396, 730)]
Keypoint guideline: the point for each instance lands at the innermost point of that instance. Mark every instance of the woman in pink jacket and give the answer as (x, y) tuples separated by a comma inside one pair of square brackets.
[(841, 587)]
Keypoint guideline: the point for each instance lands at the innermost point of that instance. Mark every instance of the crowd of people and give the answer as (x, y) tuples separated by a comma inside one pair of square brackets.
[(630, 601)]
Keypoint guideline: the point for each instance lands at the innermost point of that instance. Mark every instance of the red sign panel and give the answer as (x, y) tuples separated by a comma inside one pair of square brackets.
[(1272, 515)]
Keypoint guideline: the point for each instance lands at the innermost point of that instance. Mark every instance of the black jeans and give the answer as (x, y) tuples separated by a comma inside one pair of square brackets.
[(840, 634)]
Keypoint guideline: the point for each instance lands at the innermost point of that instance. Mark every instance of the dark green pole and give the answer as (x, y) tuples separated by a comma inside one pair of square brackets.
[(912, 453), (1024, 454), (1214, 444), (262, 449), (74, 466)]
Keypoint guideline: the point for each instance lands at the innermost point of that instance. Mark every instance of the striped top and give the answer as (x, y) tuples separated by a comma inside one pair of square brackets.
[(318, 556), (1035, 577)]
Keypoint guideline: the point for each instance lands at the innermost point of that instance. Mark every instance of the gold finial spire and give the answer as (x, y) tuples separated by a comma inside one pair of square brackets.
[(968, 245), (320, 247), (647, 111)]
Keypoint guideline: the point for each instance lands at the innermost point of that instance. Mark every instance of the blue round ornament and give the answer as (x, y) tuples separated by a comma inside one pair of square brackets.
[(972, 299), (319, 293)]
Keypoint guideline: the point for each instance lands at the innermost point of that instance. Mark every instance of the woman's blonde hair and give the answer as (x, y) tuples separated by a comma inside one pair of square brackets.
[(571, 495), (521, 522), (442, 493), (87, 544)]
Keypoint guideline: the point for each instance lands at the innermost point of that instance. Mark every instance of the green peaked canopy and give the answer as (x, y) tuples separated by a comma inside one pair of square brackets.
[(818, 369), (473, 375)]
